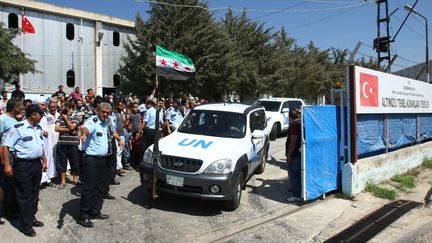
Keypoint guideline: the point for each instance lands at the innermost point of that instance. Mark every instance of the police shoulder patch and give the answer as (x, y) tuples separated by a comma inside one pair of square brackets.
[(18, 125)]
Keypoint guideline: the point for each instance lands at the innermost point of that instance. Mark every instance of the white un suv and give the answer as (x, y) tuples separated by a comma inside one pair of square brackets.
[(213, 153), (277, 110)]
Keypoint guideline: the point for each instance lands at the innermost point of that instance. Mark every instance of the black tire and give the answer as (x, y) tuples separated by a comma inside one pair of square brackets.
[(274, 131), (260, 169), (234, 202)]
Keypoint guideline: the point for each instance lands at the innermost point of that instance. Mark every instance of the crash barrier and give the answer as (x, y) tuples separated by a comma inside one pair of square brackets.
[(320, 164), (381, 133)]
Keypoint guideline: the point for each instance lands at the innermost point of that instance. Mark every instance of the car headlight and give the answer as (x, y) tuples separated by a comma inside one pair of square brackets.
[(222, 166), (148, 156)]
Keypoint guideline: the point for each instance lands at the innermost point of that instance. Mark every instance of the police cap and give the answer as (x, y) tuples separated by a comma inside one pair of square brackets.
[(32, 109), (176, 101)]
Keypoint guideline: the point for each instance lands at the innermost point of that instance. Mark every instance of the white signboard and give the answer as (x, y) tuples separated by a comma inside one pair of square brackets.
[(378, 92)]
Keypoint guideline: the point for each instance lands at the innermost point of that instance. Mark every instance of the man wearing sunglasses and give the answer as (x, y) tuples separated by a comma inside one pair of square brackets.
[(96, 136)]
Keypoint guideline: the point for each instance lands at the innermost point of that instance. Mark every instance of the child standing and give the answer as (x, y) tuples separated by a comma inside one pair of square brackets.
[(126, 154)]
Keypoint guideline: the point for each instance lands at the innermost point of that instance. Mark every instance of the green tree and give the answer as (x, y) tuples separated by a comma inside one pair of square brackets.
[(12, 60), (190, 31), (282, 67), (252, 54), (315, 73)]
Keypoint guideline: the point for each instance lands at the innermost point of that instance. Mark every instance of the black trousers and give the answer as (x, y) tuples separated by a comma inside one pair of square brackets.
[(93, 178), (27, 176), (111, 171), (149, 138), (7, 183)]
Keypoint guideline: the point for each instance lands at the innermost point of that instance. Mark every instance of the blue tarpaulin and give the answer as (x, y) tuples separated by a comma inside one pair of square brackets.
[(425, 130), (402, 131), (370, 130), (321, 163)]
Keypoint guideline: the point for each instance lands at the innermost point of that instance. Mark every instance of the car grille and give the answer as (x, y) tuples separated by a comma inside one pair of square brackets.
[(180, 164)]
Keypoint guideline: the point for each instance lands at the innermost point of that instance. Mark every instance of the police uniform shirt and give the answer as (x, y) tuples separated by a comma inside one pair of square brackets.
[(174, 116), (26, 140), (150, 118), (6, 123), (97, 140)]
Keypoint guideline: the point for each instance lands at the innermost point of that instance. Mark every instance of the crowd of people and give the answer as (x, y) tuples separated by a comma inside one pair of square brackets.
[(94, 139), (70, 135)]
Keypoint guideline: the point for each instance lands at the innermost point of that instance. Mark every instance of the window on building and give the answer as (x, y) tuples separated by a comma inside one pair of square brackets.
[(13, 21), (70, 31), (116, 38), (116, 80), (70, 78)]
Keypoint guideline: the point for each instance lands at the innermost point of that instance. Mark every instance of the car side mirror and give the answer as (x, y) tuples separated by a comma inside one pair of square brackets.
[(285, 110), (257, 134)]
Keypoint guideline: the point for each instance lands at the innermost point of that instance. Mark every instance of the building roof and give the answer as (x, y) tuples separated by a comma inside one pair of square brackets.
[(69, 12), (413, 71)]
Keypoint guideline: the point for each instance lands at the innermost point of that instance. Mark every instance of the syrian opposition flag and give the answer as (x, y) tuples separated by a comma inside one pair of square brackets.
[(173, 65), (27, 27)]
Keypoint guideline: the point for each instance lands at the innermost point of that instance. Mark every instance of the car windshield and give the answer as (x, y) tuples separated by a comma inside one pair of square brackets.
[(214, 123), (269, 105)]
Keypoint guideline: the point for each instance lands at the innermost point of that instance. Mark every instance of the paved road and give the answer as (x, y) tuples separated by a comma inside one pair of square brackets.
[(134, 216)]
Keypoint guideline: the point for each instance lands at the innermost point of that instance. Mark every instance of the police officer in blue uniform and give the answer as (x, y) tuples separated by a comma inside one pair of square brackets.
[(96, 136), (150, 124), (174, 116), (27, 141)]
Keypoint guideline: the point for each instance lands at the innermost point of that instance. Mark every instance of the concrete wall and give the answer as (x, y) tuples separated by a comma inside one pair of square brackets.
[(382, 167)]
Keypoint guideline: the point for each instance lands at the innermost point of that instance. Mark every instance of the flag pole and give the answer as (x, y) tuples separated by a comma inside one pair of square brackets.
[(21, 76), (81, 37), (156, 152)]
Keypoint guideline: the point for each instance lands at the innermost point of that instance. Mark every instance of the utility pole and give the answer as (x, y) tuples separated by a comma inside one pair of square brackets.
[(382, 42)]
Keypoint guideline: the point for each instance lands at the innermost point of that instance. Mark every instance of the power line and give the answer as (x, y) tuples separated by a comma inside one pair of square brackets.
[(416, 17), (331, 2), (258, 10), (328, 17), (292, 6), (414, 31)]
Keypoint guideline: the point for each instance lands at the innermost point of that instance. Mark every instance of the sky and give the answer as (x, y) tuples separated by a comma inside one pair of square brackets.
[(327, 23)]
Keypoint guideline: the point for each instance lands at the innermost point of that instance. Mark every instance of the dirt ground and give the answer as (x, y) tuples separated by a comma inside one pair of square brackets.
[(415, 226)]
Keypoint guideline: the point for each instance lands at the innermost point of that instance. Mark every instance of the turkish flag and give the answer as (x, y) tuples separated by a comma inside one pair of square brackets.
[(27, 27), (368, 90)]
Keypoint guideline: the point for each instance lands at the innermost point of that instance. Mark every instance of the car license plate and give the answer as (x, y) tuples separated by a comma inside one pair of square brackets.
[(174, 180)]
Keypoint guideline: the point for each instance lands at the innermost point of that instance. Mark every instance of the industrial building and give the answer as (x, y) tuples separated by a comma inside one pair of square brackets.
[(72, 47)]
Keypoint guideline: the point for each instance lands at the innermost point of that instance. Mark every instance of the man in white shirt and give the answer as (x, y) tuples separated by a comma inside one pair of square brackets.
[(3, 101)]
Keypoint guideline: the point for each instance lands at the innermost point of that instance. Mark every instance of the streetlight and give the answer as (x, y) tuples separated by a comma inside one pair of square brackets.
[(411, 9)]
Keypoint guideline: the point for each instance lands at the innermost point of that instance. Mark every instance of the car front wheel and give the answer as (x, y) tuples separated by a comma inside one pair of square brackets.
[(233, 203), (274, 131)]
